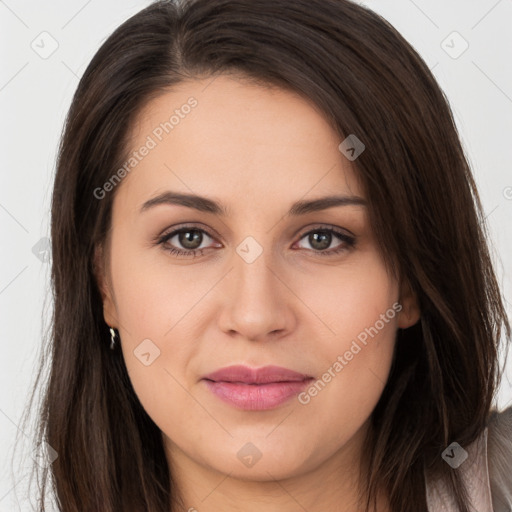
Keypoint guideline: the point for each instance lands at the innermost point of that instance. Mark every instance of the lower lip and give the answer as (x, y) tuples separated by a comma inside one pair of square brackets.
[(256, 397)]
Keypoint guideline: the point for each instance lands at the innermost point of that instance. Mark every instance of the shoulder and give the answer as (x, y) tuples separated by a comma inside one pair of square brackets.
[(486, 470), (499, 459)]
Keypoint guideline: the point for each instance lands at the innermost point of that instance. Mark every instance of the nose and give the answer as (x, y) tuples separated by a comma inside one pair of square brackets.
[(259, 303)]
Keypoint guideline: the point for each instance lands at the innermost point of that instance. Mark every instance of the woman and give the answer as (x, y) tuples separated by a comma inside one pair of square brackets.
[(263, 208)]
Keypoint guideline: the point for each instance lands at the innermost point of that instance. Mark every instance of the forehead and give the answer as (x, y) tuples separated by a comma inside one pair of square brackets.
[(228, 138)]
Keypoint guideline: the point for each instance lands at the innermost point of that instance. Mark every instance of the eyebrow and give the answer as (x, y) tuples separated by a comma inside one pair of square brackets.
[(203, 204)]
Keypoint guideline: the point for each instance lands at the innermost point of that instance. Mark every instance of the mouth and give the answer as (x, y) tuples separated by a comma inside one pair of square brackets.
[(265, 375), (256, 389)]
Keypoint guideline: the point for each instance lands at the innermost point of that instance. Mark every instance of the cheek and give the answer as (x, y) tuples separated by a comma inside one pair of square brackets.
[(347, 299), (359, 308), (155, 306), (152, 294)]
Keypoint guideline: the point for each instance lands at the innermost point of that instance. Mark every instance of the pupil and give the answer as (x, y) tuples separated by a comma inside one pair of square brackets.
[(190, 239), (320, 240)]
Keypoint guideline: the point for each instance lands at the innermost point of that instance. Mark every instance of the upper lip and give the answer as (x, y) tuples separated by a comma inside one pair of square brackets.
[(263, 375)]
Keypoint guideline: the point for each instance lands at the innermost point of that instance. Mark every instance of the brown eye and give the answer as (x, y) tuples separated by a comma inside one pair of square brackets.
[(186, 241), (190, 239), (321, 239)]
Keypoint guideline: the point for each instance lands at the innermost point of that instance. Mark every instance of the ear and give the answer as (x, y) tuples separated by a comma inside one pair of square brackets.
[(105, 287), (410, 312)]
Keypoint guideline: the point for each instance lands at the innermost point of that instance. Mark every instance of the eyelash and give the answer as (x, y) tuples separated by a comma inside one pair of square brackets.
[(348, 241)]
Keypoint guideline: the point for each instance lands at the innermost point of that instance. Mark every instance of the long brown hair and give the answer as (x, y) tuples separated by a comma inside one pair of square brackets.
[(424, 210)]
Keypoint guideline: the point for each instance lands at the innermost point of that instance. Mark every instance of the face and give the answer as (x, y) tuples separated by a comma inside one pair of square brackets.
[(257, 273)]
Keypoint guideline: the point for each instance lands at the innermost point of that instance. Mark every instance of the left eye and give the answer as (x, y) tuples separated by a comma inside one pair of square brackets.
[(320, 239), (191, 241)]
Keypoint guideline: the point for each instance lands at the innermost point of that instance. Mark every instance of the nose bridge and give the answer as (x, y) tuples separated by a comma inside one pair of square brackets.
[(254, 272), (257, 304)]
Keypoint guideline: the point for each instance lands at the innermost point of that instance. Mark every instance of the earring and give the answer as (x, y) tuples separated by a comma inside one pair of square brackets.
[(112, 339)]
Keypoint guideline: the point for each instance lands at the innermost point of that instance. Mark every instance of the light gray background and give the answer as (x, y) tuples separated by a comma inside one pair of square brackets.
[(35, 93)]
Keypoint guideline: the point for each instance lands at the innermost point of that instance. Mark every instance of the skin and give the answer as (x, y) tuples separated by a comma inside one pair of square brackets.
[(256, 150)]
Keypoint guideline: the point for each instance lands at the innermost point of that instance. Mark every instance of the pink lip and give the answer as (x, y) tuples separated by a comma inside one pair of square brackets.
[(256, 389)]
